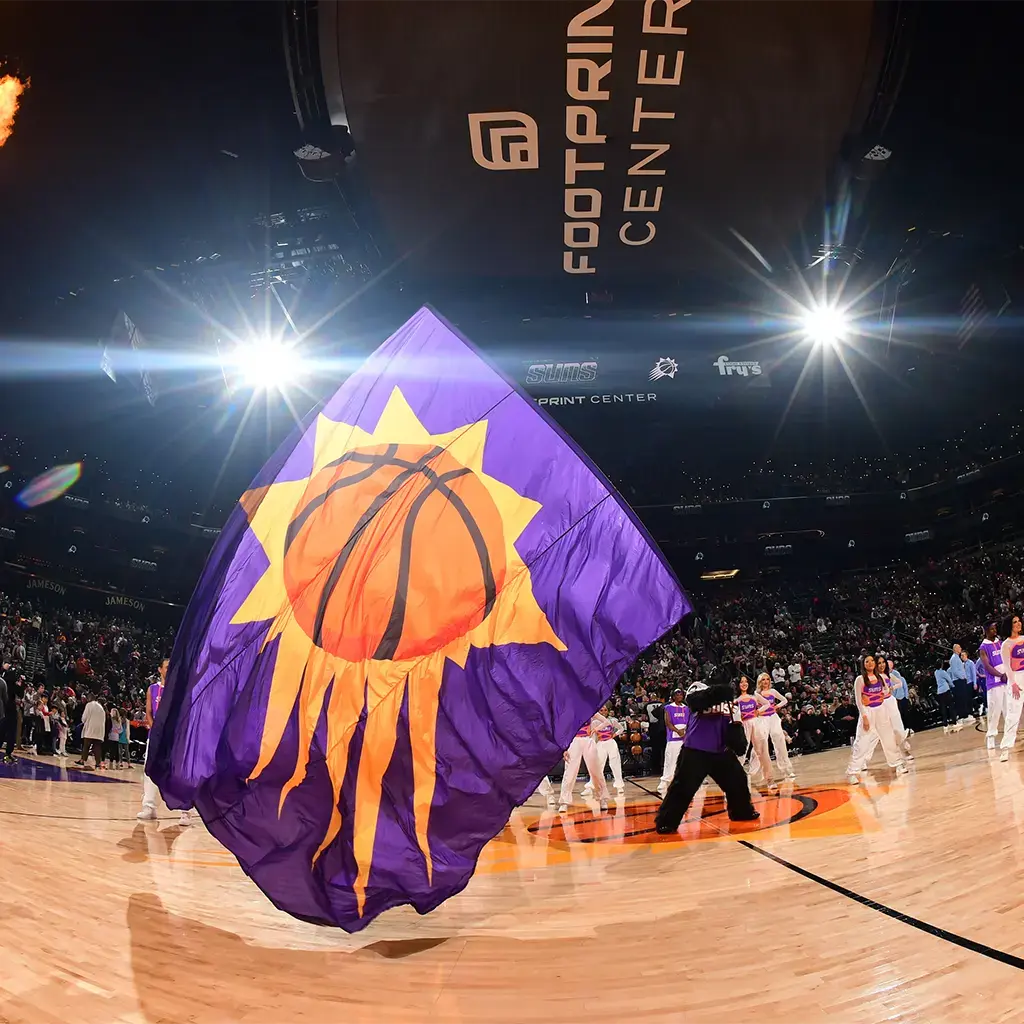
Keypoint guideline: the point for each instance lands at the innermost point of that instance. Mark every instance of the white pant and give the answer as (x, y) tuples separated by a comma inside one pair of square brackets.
[(150, 794), (895, 719), (1012, 717), (771, 728), (760, 762), (546, 789), (581, 749), (608, 750), (866, 740), (996, 708), (668, 772)]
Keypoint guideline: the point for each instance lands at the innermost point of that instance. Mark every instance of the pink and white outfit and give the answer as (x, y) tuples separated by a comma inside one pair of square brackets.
[(581, 749), (769, 725), (760, 762), (872, 707), (1012, 652), (602, 735)]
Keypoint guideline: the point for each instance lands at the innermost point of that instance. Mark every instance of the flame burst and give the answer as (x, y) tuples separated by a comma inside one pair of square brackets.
[(11, 89)]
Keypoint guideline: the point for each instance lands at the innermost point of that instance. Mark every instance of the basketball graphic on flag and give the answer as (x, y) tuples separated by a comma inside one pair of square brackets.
[(358, 599)]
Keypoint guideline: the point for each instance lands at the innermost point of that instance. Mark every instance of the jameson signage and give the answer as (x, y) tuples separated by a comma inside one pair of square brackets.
[(37, 583), (82, 595), (587, 141)]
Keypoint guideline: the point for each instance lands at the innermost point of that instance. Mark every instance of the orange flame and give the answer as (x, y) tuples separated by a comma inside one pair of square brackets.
[(11, 89)]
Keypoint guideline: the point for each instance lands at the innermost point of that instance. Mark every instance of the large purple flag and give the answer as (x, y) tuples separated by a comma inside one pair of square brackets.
[(408, 617)]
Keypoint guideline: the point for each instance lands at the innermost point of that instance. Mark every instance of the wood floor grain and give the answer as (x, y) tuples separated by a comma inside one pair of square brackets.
[(584, 917)]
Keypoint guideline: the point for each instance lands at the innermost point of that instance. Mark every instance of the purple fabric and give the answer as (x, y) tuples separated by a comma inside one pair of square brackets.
[(994, 650), (502, 719), (679, 716), (707, 732)]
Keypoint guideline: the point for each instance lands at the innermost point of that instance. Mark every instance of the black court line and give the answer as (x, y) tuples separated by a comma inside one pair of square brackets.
[(929, 929), (649, 792)]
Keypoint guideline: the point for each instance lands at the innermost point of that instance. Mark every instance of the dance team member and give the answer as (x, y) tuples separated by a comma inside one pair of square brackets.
[(1012, 653), (150, 793), (993, 674), (581, 749), (603, 730), (893, 681), (676, 717), (874, 725), (748, 703), (770, 724)]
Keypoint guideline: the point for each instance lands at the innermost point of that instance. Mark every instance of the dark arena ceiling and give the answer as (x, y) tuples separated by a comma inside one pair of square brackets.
[(629, 206)]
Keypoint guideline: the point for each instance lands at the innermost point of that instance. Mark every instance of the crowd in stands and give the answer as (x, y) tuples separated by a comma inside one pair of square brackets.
[(55, 663), (810, 639), (916, 466)]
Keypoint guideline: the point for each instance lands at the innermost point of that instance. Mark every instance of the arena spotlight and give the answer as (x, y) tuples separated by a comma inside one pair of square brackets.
[(265, 364), (825, 325)]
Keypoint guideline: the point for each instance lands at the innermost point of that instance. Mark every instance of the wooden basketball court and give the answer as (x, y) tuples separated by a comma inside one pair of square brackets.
[(897, 900)]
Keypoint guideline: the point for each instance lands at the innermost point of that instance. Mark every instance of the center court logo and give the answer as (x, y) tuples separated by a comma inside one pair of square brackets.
[(727, 367), (664, 367), (504, 140)]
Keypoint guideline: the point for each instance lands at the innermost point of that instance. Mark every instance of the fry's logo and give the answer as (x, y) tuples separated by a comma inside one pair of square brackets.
[(727, 367)]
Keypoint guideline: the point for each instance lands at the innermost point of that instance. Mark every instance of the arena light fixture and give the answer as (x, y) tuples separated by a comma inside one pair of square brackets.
[(825, 325), (720, 574), (267, 363)]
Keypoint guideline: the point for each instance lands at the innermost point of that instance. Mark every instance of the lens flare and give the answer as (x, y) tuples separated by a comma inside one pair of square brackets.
[(825, 325), (11, 89), (49, 485)]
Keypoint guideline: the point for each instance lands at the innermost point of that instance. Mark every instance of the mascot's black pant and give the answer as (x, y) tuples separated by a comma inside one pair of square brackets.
[(693, 768)]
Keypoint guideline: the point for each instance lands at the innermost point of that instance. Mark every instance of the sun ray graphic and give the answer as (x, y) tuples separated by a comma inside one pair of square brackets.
[(395, 555)]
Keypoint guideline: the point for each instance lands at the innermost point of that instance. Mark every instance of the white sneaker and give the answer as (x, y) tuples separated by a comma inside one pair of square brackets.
[(990, 743), (791, 776), (661, 792), (146, 814), (957, 727), (902, 769), (562, 808), (620, 789), (1004, 756), (969, 720), (853, 780), (185, 818)]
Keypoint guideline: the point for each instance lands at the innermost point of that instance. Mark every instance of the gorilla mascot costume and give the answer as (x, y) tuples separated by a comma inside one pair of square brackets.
[(710, 747)]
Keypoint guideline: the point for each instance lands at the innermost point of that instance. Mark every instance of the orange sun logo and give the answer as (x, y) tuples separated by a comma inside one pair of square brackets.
[(396, 554)]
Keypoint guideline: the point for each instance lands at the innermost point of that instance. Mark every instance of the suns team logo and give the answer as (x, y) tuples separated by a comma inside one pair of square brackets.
[(664, 367), (393, 556)]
